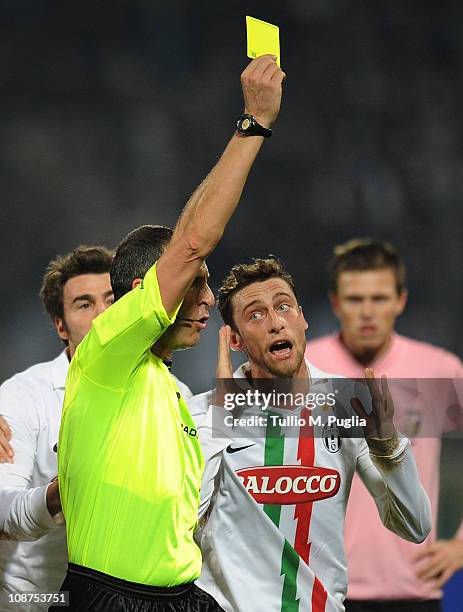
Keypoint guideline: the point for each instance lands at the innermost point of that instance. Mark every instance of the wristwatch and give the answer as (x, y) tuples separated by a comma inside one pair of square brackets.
[(248, 126)]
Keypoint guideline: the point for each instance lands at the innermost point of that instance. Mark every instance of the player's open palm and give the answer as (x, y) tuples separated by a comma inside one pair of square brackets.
[(379, 422), (224, 373), (224, 366)]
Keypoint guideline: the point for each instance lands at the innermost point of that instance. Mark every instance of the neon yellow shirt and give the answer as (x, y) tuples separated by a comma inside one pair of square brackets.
[(129, 459)]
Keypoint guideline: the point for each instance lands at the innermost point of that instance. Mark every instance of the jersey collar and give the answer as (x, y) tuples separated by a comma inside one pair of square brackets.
[(60, 367), (376, 363), (314, 372)]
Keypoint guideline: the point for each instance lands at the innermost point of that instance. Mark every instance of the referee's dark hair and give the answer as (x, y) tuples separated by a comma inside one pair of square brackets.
[(135, 255), (363, 254)]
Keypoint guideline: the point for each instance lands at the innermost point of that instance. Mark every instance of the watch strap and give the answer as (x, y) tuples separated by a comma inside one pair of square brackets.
[(248, 126)]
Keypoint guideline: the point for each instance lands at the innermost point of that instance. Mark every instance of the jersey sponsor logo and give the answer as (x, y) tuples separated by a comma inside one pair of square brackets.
[(331, 438), (289, 484)]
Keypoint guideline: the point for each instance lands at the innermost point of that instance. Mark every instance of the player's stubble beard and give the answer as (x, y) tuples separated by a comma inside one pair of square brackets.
[(284, 369), (367, 351)]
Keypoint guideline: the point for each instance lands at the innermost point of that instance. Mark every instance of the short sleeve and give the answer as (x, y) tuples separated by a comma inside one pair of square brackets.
[(120, 336)]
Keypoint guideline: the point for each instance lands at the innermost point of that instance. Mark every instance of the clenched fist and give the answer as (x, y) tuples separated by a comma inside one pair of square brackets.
[(261, 82)]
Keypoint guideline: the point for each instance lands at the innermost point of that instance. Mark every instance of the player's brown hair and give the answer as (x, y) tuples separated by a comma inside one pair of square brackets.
[(82, 260), (242, 275), (361, 254)]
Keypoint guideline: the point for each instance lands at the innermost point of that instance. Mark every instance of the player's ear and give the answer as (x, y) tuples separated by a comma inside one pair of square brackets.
[(403, 296), (334, 302), (236, 342), (306, 325), (136, 282), (61, 328)]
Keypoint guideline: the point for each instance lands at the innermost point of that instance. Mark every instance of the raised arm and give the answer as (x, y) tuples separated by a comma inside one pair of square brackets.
[(133, 324), (209, 209)]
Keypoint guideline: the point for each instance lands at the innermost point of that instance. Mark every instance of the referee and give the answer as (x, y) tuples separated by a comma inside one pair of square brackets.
[(129, 459)]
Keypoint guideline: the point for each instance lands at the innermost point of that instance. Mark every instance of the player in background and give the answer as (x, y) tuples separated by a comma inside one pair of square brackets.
[(367, 295), (33, 557), (273, 497), (129, 459)]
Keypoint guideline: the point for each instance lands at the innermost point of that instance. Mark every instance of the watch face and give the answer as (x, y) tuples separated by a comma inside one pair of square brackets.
[(245, 124)]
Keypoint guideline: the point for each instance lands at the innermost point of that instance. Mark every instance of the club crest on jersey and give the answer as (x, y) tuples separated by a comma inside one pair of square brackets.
[(331, 438), (289, 484)]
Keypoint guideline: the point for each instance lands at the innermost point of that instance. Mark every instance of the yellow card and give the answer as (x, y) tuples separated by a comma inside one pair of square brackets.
[(262, 38)]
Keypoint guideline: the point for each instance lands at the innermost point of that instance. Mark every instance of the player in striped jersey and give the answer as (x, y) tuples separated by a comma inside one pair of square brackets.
[(273, 503)]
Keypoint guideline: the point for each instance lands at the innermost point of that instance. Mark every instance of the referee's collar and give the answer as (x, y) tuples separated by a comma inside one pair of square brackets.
[(167, 363)]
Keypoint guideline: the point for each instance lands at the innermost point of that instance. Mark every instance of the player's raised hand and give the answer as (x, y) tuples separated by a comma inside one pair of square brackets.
[(224, 373), (6, 452), (379, 422), (224, 366), (261, 82)]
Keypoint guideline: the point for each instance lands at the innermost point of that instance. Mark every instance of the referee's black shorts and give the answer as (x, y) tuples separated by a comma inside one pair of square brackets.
[(93, 591)]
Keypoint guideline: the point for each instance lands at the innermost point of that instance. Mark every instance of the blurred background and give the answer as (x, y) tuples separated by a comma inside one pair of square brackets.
[(112, 113)]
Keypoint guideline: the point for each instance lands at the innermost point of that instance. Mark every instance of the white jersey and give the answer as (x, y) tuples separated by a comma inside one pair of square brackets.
[(273, 509), (33, 552)]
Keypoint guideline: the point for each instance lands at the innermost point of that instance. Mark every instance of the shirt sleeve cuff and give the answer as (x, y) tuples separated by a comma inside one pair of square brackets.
[(388, 449), (39, 509)]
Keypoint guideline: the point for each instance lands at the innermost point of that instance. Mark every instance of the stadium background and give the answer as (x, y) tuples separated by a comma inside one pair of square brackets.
[(112, 112)]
